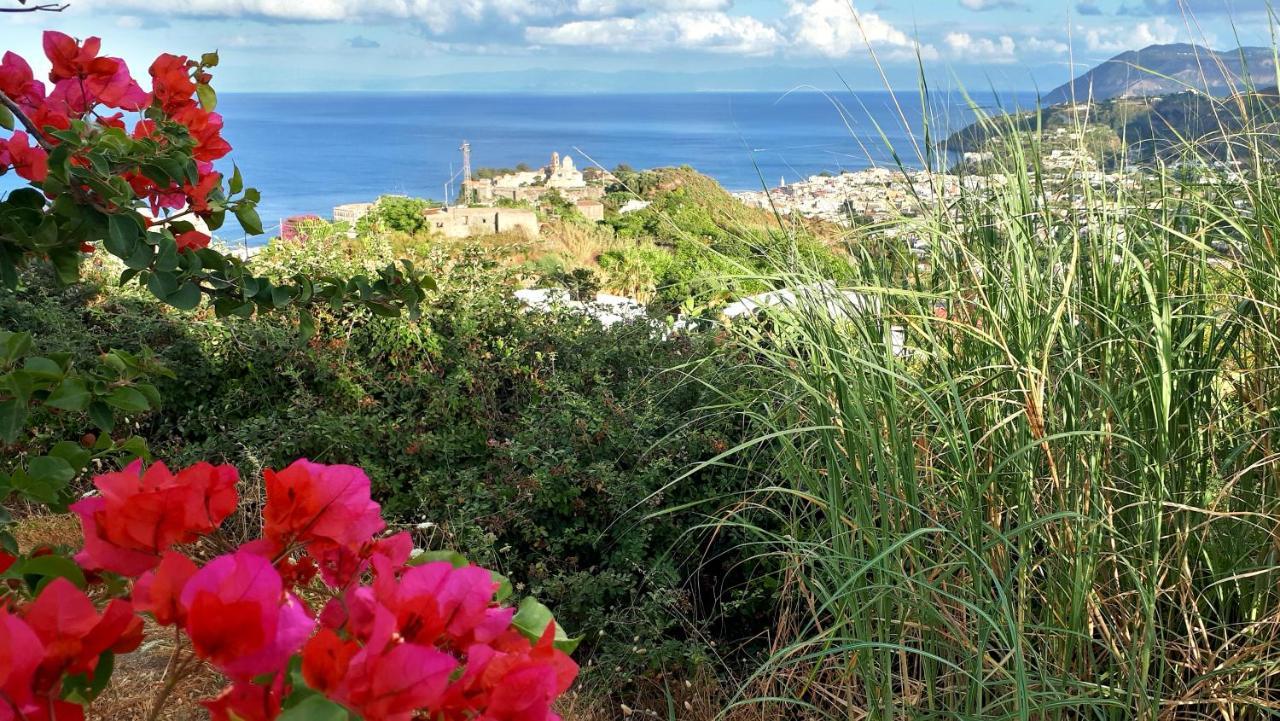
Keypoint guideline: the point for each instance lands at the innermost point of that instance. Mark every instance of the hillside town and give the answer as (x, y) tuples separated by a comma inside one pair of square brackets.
[(501, 203)]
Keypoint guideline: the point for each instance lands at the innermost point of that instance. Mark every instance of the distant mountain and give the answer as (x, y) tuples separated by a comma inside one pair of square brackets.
[(1169, 69), (1138, 128)]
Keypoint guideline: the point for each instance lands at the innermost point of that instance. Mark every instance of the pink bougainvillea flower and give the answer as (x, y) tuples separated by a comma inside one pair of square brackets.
[(158, 592), (82, 79), (247, 702), (20, 654), (340, 566), (511, 680), (437, 599), (74, 634), (240, 619), (388, 678), (19, 83), (309, 502), (138, 515)]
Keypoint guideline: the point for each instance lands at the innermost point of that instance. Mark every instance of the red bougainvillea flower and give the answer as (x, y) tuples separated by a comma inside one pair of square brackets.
[(82, 79), (138, 516), (19, 83), (159, 592), (340, 565), (388, 678), (74, 634), (6, 561), (46, 117), (309, 502), (437, 600), (171, 82), (206, 129), (20, 656), (326, 659), (191, 240), (240, 619), (247, 702), (29, 162)]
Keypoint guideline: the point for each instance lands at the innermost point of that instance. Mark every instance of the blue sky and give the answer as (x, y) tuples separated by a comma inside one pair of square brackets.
[(276, 45)]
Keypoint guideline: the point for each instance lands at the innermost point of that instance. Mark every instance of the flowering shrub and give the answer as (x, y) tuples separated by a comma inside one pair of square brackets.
[(111, 165), (383, 632), (135, 184)]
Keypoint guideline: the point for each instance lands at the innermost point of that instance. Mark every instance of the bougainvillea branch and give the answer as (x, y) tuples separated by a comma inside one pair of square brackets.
[(41, 8), (112, 165), (27, 123)]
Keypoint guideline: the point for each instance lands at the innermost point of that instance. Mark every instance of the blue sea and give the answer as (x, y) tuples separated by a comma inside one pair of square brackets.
[(310, 152)]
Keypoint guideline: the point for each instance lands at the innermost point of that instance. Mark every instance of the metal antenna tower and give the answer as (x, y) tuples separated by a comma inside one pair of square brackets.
[(466, 161)]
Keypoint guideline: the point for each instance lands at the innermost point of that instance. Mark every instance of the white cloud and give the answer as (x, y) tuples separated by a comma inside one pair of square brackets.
[(836, 29), (981, 5), (969, 48), (1039, 47), (709, 31), (1120, 39), (437, 16)]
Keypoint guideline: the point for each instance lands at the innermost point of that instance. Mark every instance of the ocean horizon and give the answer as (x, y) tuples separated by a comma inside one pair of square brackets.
[(309, 152)]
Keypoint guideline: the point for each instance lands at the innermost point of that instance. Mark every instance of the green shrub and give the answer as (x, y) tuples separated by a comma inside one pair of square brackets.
[(534, 443)]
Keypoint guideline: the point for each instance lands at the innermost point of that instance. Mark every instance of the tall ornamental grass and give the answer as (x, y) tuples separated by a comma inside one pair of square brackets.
[(1063, 500)]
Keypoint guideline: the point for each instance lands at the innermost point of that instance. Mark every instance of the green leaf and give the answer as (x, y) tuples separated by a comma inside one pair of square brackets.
[(166, 255), (129, 400), (76, 455), (70, 395), (532, 619), (102, 416), (185, 298), (504, 587), (209, 60), (13, 417), (135, 447), (162, 285), (249, 220), (6, 118), (236, 183), (42, 368), (316, 708), (67, 263), (420, 557), (14, 345), (50, 471), (208, 98), (48, 568), (143, 254), (150, 391), (306, 325), (122, 235)]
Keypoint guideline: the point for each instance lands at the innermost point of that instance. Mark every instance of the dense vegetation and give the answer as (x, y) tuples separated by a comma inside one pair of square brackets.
[(533, 444), (1059, 500)]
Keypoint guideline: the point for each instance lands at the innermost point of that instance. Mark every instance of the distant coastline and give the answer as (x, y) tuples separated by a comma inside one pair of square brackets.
[(309, 152)]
